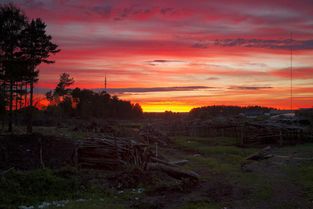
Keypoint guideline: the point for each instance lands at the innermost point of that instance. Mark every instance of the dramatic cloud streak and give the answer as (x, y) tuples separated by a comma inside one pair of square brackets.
[(156, 89), (165, 54), (271, 44), (252, 88)]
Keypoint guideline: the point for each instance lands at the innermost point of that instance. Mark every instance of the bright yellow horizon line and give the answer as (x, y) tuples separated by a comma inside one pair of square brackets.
[(166, 111), (185, 109), (164, 108)]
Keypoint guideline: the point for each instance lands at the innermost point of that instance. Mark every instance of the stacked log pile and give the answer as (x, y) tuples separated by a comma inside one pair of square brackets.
[(112, 153)]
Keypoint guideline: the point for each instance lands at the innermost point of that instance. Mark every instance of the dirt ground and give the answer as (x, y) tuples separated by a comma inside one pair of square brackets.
[(272, 183), (284, 181)]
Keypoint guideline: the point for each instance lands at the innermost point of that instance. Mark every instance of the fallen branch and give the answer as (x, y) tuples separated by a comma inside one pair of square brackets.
[(6, 171), (293, 158), (174, 172), (261, 155), (179, 162)]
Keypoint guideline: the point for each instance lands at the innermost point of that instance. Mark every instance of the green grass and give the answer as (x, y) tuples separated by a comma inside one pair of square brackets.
[(32, 187), (304, 150), (220, 158), (18, 187), (302, 173), (225, 159), (303, 176), (222, 146)]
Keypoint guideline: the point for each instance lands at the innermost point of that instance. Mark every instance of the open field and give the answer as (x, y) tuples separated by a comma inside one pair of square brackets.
[(283, 181)]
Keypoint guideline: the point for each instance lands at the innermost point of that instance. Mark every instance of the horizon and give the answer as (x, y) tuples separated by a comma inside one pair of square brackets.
[(174, 56), (44, 103)]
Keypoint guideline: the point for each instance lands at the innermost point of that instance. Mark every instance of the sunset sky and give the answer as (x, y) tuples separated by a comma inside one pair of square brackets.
[(179, 54)]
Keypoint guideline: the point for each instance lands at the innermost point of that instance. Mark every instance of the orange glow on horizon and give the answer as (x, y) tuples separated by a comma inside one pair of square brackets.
[(163, 108), (185, 107)]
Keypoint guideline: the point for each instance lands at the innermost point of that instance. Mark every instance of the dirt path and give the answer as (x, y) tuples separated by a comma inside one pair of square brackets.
[(274, 188)]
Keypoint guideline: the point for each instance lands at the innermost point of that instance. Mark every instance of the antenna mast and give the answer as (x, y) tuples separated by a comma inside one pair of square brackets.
[(105, 83), (291, 105)]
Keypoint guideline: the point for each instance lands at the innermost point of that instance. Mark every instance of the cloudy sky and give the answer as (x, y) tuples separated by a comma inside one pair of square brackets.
[(179, 54)]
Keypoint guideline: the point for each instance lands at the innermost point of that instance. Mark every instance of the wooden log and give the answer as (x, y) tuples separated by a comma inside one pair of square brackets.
[(174, 172), (6, 171), (179, 162), (261, 155)]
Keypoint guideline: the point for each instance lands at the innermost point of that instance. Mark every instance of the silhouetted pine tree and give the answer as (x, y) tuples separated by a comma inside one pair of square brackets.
[(36, 48), (24, 46), (12, 23)]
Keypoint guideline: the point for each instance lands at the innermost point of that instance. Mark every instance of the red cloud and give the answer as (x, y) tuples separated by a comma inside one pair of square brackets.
[(297, 73), (118, 37)]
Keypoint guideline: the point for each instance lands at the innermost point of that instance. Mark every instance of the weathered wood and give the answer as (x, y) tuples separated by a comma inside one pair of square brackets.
[(112, 153), (6, 171), (174, 172), (179, 162), (261, 155), (293, 158), (113, 150)]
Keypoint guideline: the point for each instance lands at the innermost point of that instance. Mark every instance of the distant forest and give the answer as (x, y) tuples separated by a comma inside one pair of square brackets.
[(85, 103), (213, 111)]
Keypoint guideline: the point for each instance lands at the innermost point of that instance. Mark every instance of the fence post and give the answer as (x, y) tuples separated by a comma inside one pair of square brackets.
[(280, 138), (156, 150)]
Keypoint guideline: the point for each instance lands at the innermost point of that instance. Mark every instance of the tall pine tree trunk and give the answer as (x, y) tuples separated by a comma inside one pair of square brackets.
[(10, 107), (30, 110), (21, 96), (16, 104), (26, 92)]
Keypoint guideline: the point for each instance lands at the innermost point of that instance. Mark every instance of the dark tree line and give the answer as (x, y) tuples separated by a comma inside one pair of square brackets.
[(24, 45), (85, 103), (221, 110)]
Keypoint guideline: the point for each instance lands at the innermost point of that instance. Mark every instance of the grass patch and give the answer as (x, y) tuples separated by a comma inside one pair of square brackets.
[(264, 191), (222, 158), (303, 175), (202, 146), (32, 187), (225, 159), (302, 150)]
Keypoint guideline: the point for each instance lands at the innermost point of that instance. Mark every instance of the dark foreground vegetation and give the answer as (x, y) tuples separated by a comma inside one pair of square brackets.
[(91, 150), (69, 165), (283, 181)]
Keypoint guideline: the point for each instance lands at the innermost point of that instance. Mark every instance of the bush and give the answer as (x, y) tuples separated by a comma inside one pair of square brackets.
[(23, 188)]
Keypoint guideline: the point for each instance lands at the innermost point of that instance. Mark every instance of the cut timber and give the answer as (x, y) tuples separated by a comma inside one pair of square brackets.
[(265, 153), (179, 162), (172, 163), (290, 157), (112, 153), (117, 153), (6, 171), (174, 172), (157, 160), (261, 155)]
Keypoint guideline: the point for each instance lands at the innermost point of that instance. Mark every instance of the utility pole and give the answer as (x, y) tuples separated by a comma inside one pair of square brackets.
[(291, 74), (105, 83)]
